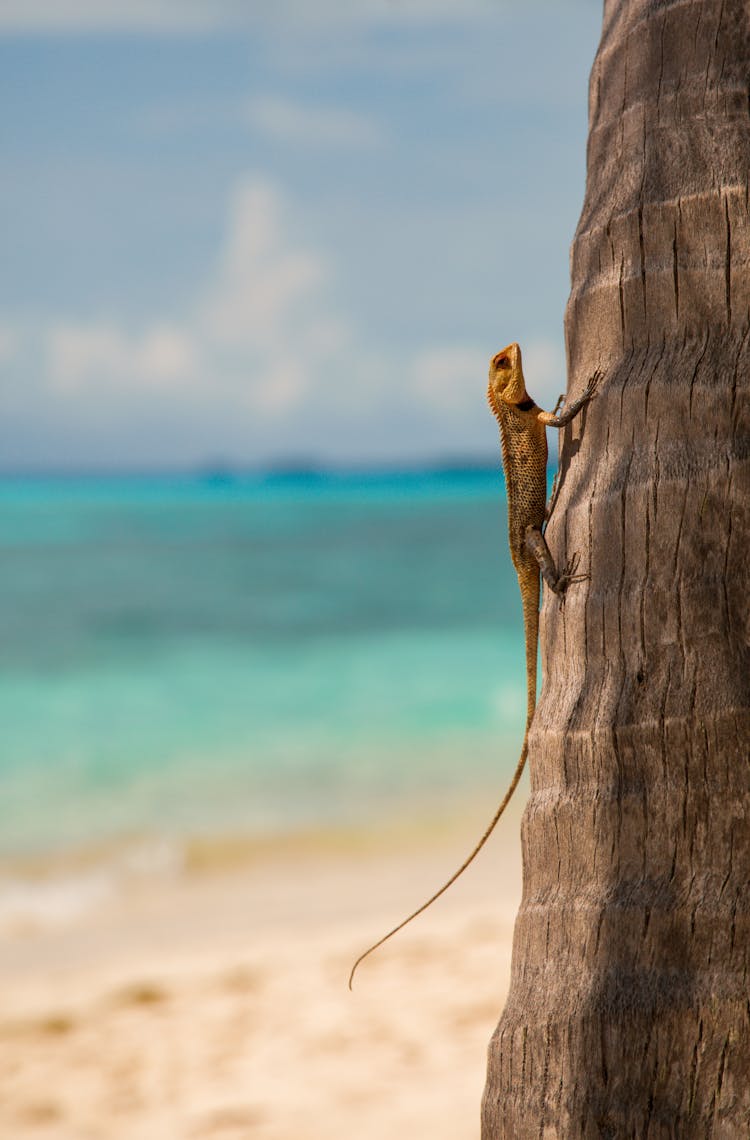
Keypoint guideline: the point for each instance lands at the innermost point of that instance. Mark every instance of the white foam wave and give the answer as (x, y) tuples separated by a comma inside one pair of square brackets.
[(59, 895)]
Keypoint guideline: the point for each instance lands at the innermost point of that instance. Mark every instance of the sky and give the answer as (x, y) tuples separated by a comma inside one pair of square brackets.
[(245, 233)]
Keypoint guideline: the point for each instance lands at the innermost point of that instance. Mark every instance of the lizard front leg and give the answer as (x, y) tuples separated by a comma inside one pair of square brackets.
[(553, 419), (558, 581)]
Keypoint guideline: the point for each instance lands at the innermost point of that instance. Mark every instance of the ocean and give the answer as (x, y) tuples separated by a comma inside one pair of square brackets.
[(189, 656)]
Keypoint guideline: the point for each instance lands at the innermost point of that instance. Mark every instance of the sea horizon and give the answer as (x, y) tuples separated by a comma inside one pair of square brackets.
[(282, 467)]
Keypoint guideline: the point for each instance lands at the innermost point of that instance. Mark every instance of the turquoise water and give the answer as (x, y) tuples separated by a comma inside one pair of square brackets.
[(186, 655)]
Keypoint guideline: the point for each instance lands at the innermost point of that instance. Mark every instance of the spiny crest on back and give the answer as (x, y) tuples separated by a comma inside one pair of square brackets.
[(492, 400)]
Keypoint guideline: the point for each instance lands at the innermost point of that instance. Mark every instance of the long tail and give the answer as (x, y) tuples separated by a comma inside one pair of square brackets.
[(531, 623), (464, 865)]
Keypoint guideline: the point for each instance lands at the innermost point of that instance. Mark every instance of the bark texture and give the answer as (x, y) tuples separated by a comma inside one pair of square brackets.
[(629, 1008)]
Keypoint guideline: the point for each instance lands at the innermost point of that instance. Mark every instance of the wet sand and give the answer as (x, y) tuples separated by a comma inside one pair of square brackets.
[(214, 1003)]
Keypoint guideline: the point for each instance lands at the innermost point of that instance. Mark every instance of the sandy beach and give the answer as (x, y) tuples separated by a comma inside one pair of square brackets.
[(213, 1002)]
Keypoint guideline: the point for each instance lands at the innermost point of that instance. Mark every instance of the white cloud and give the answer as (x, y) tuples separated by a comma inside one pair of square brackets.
[(8, 344), (450, 378), (98, 354), (266, 318), (168, 354), (288, 121), (311, 126), (261, 277), (258, 335)]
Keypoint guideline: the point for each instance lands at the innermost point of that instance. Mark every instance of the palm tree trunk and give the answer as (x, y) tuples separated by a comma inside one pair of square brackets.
[(629, 1011)]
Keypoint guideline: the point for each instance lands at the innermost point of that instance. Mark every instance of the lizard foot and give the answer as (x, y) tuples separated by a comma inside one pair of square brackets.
[(568, 575), (590, 389)]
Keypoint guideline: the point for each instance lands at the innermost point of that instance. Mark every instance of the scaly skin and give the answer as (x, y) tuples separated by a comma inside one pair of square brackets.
[(523, 437)]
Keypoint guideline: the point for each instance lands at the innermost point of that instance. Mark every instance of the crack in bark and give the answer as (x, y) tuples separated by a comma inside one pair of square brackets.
[(645, 852), (693, 1079), (693, 378), (728, 262), (734, 407), (624, 95), (719, 1082), (718, 26), (545, 1080), (647, 557), (622, 301), (699, 6), (643, 255), (661, 69), (675, 275), (603, 1048), (621, 583), (725, 575)]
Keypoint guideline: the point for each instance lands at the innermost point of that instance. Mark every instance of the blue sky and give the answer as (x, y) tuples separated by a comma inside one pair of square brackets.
[(250, 232)]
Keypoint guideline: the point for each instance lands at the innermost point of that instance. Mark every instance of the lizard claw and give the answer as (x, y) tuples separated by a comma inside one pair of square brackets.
[(568, 575), (593, 384)]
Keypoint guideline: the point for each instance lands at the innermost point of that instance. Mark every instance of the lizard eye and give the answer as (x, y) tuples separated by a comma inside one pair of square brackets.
[(503, 362)]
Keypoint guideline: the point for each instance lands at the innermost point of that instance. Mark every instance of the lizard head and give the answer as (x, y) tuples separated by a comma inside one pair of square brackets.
[(506, 378)]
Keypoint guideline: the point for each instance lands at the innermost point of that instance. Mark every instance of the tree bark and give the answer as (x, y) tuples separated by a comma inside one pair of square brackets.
[(629, 1011)]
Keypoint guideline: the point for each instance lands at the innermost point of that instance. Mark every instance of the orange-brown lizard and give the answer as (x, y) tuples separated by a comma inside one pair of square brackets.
[(524, 445)]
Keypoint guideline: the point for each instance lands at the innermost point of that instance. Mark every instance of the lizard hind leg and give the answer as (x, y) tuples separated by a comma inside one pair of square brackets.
[(568, 575), (558, 582)]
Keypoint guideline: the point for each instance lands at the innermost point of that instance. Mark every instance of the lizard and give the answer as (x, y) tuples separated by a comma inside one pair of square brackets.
[(523, 436)]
